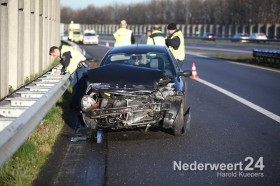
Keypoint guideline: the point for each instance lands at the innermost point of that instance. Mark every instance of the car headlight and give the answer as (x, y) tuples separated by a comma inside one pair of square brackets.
[(88, 103)]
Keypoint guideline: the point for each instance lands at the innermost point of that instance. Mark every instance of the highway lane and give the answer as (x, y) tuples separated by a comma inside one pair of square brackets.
[(223, 131), (258, 85)]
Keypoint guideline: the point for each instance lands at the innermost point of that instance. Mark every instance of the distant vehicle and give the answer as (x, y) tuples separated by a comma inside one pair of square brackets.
[(90, 37), (209, 36), (240, 37), (74, 32), (258, 37)]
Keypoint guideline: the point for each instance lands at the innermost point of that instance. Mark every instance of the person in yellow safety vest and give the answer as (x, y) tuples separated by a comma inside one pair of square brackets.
[(73, 62), (157, 37), (123, 36), (176, 42)]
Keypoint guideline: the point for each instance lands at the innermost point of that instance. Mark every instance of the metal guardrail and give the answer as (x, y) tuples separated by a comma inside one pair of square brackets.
[(21, 112), (267, 55)]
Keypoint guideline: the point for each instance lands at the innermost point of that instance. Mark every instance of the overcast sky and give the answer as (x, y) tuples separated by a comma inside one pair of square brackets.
[(99, 3)]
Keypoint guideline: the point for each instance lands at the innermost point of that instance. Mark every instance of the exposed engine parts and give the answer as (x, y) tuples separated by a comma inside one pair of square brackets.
[(127, 108)]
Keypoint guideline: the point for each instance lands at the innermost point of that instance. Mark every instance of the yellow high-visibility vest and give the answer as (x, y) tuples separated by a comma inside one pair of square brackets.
[(180, 52), (156, 38), (77, 57), (123, 37)]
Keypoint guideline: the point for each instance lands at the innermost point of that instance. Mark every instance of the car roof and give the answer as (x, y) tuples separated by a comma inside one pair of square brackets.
[(138, 48)]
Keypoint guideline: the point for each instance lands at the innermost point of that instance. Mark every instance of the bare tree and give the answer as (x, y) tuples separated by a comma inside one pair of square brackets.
[(179, 11)]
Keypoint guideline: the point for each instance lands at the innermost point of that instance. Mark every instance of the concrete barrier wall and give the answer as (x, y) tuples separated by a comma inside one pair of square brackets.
[(27, 30), (223, 31)]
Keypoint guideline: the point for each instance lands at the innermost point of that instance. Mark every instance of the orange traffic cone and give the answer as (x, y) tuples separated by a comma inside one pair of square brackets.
[(107, 44), (194, 73)]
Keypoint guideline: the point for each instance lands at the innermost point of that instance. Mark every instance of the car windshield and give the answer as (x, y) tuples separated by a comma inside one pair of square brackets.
[(158, 61), (90, 34)]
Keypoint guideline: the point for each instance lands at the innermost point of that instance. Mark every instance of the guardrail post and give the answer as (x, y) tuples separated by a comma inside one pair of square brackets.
[(261, 28), (189, 30), (251, 30), (193, 30), (223, 34), (230, 30), (218, 30), (269, 31), (211, 28), (277, 31), (200, 29), (183, 28)]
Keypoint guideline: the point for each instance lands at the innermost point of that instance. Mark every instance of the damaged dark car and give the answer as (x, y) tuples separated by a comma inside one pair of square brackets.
[(137, 86)]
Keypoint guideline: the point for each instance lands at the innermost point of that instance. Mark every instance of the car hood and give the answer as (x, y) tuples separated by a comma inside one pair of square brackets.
[(124, 77)]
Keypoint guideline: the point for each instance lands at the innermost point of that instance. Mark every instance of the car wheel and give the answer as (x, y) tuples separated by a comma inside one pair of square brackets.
[(92, 127), (90, 123), (183, 122), (187, 121), (178, 127)]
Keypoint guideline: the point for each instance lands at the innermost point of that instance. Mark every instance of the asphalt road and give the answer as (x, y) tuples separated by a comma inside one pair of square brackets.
[(223, 130)]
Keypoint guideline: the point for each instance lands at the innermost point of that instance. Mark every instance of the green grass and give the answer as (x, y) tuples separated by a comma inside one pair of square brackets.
[(24, 166)]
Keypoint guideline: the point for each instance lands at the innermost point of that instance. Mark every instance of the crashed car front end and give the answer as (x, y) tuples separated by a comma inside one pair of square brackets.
[(126, 109), (129, 103)]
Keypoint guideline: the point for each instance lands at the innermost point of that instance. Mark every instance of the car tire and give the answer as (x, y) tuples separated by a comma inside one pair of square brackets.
[(92, 127), (187, 122), (182, 124), (90, 123), (179, 122)]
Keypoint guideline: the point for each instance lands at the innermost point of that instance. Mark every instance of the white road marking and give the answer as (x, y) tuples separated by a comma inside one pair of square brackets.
[(241, 100), (236, 63), (254, 66)]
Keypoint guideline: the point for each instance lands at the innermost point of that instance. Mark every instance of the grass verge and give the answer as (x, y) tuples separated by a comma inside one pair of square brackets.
[(23, 168)]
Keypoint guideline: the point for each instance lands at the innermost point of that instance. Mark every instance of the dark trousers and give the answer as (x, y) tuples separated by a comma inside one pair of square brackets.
[(79, 86)]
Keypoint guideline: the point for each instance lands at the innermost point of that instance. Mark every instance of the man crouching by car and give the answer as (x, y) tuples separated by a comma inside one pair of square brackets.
[(73, 62)]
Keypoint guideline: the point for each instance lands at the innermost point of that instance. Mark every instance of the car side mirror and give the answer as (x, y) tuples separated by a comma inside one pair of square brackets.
[(186, 73)]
